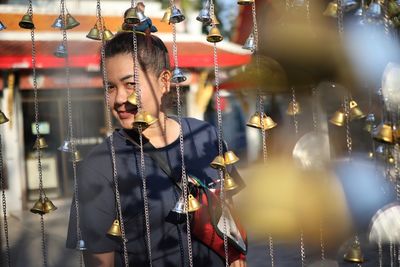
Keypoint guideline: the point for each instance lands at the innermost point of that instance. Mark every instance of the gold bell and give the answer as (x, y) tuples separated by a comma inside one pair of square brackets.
[(3, 118), (230, 157), (26, 22), (355, 111), (131, 17), (214, 36), (115, 229), (38, 207), (229, 183), (193, 204), (293, 108), (94, 34), (383, 133), (354, 253), (254, 121), (268, 123), (338, 118), (107, 34), (71, 22), (245, 2), (149, 119), (140, 120), (40, 143), (132, 99), (331, 10), (76, 156), (218, 162), (48, 206), (167, 15)]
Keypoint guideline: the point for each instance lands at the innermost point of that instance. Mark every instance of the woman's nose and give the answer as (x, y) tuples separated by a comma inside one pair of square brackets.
[(121, 96)]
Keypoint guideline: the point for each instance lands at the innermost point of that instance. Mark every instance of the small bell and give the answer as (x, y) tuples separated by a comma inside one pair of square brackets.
[(250, 43), (2, 26), (176, 15), (355, 111), (354, 253), (26, 22), (178, 76), (254, 121), (338, 118), (80, 245), (140, 120), (38, 207), (149, 119), (245, 2), (66, 146), (369, 122), (131, 16), (141, 16), (349, 5), (167, 15), (48, 206), (132, 99), (293, 108), (94, 34), (229, 183), (230, 157), (179, 206), (374, 10), (61, 52), (331, 10), (115, 229), (267, 123), (71, 22), (107, 34), (193, 204), (204, 15), (58, 23), (76, 156), (3, 118), (40, 143), (218, 162), (214, 36), (383, 133)]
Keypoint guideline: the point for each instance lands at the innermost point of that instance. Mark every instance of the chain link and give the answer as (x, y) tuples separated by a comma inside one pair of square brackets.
[(295, 109), (349, 142), (302, 249), (391, 253), (138, 91), (321, 240), (4, 206), (340, 15), (380, 253), (308, 12), (315, 108), (255, 28), (386, 19), (271, 250)]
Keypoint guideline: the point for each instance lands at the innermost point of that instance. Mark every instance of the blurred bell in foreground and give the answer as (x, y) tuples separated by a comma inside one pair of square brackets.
[(385, 227), (167, 15), (354, 253), (391, 85)]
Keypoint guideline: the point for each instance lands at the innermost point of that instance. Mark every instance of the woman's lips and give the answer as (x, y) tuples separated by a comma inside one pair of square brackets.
[(125, 114)]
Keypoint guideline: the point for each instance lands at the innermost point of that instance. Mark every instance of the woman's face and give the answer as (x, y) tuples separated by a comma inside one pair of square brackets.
[(121, 85)]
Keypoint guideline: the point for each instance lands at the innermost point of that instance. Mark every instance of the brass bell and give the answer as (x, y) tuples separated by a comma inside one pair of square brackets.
[(374, 10), (94, 34), (176, 15), (214, 36), (38, 207), (331, 10), (80, 245), (132, 99), (76, 156), (178, 76), (293, 108), (354, 253), (204, 15), (115, 229), (66, 146), (267, 123), (26, 22), (107, 34), (179, 206), (250, 43), (48, 206), (355, 111), (218, 162), (3, 118), (254, 121), (338, 118), (167, 15), (230, 157), (383, 133), (2, 26), (245, 2), (58, 23), (130, 16), (40, 143), (149, 119), (61, 52), (193, 203), (229, 183), (71, 22), (140, 120)]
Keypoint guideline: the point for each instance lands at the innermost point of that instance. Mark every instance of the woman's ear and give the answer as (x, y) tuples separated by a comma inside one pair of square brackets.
[(164, 80)]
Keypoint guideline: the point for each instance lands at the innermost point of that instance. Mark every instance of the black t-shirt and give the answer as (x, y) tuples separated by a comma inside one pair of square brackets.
[(97, 206)]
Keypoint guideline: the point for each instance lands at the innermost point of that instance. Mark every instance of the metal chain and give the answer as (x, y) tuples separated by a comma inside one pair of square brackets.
[(340, 15), (308, 12), (4, 205), (380, 253), (386, 19), (349, 142), (398, 255), (397, 170), (255, 28), (315, 108), (302, 249), (391, 253), (138, 91), (295, 108), (112, 148), (321, 240), (271, 250)]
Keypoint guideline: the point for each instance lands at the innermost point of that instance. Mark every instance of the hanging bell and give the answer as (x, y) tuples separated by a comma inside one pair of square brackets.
[(107, 34), (2, 26), (80, 245), (167, 15), (115, 229), (331, 10), (40, 143), (214, 36), (48, 206), (140, 120), (218, 162), (94, 34), (354, 253), (3, 118), (131, 16), (349, 5), (245, 2), (267, 123), (76, 156), (230, 157), (149, 119), (176, 15), (250, 43), (141, 16), (193, 204), (71, 22), (66, 146), (293, 108), (369, 122), (179, 206), (338, 118), (178, 76), (204, 15), (26, 22), (132, 99), (254, 121), (58, 23), (229, 183), (355, 111), (61, 52), (383, 133), (374, 10), (38, 207)]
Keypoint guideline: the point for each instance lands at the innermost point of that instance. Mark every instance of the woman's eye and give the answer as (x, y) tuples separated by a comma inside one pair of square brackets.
[(130, 85), (111, 88)]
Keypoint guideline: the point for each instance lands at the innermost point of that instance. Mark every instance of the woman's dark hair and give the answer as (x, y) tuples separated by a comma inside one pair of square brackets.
[(152, 53)]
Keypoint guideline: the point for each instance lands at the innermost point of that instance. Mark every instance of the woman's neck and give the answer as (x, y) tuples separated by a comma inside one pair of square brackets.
[(163, 132)]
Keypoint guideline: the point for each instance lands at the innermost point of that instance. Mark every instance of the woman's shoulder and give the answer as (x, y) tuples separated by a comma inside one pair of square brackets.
[(194, 123)]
